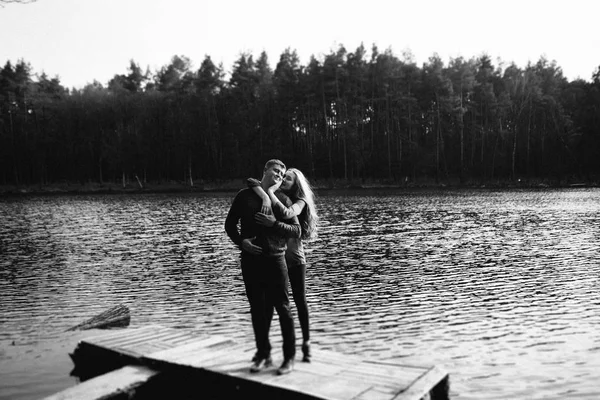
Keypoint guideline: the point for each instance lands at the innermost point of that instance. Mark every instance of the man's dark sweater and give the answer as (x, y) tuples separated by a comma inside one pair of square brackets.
[(272, 240)]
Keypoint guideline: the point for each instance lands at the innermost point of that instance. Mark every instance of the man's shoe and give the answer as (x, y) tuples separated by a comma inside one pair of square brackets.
[(286, 367), (306, 351), (259, 363)]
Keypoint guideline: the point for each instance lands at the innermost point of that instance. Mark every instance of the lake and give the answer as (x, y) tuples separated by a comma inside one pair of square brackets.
[(500, 287)]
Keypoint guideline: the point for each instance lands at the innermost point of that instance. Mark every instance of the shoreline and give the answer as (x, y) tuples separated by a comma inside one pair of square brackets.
[(235, 185)]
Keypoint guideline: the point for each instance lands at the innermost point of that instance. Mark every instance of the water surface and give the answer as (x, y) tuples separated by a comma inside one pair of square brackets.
[(499, 287)]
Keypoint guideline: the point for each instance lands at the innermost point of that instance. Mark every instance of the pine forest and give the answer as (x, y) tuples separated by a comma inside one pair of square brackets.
[(352, 117)]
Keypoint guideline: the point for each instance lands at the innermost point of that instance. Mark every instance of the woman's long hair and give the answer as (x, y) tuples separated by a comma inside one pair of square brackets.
[(301, 190)]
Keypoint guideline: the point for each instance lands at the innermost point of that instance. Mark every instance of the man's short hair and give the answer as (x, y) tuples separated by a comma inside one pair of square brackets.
[(272, 162)]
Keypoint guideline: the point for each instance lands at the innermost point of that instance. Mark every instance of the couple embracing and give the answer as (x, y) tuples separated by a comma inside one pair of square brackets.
[(275, 215)]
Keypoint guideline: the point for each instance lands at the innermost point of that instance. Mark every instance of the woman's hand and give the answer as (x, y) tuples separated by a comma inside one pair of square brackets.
[(266, 206), (253, 182), (274, 188), (263, 219)]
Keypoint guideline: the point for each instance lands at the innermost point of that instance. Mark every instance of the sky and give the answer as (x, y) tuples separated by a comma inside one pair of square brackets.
[(85, 40)]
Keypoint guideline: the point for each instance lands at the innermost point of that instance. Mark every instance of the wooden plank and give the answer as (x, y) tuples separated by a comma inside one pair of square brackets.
[(185, 339), (325, 369), (118, 333), (332, 357), (195, 354), (83, 348), (121, 381), (328, 363), (201, 359), (420, 368), (174, 336), (137, 334), (423, 384), (134, 338), (387, 375), (311, 384), (378, 380), (230, 360), (375, 393), (227, 356), (204, 343), (142, 341), (237, 363), (143, 348), (237, 368), (386, 370), (330, 388), (329, 376), (126, 332), (395, 364), (133, 342), (312, 381), (122, 343)]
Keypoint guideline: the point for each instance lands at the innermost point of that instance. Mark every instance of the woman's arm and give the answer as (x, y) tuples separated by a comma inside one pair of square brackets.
[(254, 184), (287, 212)]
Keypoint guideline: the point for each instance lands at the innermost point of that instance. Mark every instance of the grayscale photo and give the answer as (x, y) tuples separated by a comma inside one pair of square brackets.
[(319, 200)]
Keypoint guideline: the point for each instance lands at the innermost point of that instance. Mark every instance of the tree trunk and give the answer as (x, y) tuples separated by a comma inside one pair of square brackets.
[(399, 151), (410, 139), (191, 179), (100, 170), (327, 136), (514, 153), (14, 152), (345, 157), (437, 141), (309, 138), (462, 140), (529, 142), (494, 151), (389, 135)]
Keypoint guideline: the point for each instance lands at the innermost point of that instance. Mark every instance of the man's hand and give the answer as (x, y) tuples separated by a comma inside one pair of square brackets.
[(267, 220), (251, 247)]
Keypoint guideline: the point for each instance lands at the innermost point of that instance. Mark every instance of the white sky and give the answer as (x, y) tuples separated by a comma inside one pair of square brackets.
[(83, 40)]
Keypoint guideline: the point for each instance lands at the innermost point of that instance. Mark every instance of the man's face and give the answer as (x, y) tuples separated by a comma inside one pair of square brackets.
[(273, 174)]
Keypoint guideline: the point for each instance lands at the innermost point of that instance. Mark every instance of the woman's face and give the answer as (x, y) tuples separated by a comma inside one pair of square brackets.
[(288, 181)]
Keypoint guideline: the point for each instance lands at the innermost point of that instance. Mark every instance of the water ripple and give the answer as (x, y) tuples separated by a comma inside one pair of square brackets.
[(499, 287)]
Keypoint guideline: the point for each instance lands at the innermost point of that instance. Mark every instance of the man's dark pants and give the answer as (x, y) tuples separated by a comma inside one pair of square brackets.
[(266, 280)]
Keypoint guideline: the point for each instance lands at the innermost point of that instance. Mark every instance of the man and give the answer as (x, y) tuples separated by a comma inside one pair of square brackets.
[(263, 265)]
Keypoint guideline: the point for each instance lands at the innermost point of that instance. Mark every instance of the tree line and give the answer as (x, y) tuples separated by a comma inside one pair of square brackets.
[(348, 116)]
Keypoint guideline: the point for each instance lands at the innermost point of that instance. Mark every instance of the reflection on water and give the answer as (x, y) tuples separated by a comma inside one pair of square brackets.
[(499, 287)]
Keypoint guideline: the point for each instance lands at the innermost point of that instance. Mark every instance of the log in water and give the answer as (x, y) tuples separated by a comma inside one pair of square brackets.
[(115, 317)]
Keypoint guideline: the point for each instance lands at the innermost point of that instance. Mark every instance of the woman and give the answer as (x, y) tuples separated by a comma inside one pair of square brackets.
[(297, 187)]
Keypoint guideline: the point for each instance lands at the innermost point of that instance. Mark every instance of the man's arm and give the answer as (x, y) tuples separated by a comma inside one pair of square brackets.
[(231, 227), (288, 229), (231, 222)]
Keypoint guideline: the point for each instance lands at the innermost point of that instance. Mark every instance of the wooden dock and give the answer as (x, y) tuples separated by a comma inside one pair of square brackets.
[(155, 362)]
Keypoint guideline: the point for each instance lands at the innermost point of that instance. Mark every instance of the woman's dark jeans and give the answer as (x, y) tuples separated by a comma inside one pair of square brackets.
[(266, 282), (297, 275)]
